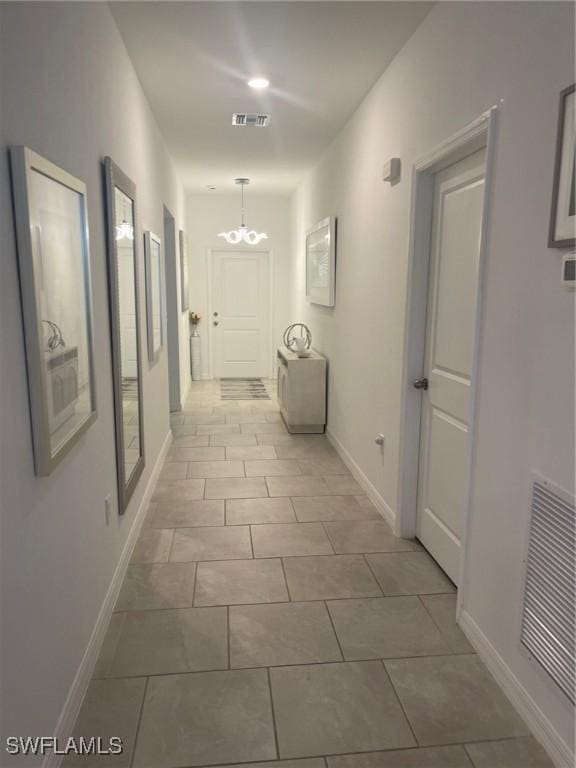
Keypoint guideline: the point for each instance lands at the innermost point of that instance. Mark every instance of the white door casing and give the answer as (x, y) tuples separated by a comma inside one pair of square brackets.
[(240, 331), (450, 336)]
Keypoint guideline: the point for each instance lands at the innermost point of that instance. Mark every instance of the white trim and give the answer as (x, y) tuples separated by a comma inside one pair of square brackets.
[(373, 494), (480, 133), (85, 670), (535, 718), (271, 351)]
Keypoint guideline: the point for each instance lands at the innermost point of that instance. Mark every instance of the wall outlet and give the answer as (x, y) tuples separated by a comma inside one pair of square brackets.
[(108, 508)]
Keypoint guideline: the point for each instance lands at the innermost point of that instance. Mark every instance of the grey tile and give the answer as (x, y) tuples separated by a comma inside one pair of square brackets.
[(303, 451), (250, 452), (204, 419), (191, 441), (323, 465), (244, 511), (326, 508), (173, 471), (452, 699), (343, 484), (221, 543), (336, 576), (233, 440), (236, 488), (271, 467), (297, 486), (240, 582), (202, 453), (330, 708), (442, 608), (246, 418), (153, 546), (263, 429), (286, 539), (409, 573), (285, 439), (216, 469), (289, 633), (511, 753), (108, 648), (366, 536), (312, 762), (186, 514), (185, 430), (163, 585), (179, 490), (110, 708), (217, 429), (385, 627), (429, 757), (168, 641), (206, 718)]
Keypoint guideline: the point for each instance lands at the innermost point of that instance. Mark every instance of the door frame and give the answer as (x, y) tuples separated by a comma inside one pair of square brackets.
[(479, 134), (172, 310), (209, 265)]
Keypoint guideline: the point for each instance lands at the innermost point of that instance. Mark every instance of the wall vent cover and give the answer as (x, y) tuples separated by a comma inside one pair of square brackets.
[(548, 615), (250, 119)]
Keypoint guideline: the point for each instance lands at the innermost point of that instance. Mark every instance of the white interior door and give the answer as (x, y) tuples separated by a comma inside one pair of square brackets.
[(240, 314), (451, 320)]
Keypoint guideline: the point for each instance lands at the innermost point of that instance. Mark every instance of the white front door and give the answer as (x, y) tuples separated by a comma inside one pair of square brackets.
[(450, 333), (240, 314)]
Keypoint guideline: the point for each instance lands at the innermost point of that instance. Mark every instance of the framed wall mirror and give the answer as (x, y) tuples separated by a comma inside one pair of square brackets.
[(54, 266), (123, 282), (154, 295)]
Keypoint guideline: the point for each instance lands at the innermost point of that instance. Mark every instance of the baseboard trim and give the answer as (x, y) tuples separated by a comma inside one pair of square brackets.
[(534, 717), (373, 494), (85, 671)]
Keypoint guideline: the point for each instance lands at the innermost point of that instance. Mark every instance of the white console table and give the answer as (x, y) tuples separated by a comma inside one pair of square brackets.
[(302, 391)]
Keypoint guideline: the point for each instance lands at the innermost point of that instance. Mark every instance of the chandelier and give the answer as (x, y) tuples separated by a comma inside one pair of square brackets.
[(243, 234)]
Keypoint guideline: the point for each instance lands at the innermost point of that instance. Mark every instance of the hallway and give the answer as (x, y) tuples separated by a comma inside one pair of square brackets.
[(270, 613)]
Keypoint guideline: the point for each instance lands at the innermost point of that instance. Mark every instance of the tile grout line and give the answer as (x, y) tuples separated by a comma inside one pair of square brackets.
[(327, 609), (364, 557), (137, 732), (401, 705), (273, 711)]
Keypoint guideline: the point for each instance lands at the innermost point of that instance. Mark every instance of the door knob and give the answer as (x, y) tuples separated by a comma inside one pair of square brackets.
[(215, 322), (420, 384)]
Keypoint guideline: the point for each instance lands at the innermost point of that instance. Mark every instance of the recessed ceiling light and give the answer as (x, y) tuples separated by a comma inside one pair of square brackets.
[(258, 83)]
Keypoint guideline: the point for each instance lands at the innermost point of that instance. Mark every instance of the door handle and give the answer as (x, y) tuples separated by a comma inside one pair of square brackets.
[(215, 322), (420, 384)]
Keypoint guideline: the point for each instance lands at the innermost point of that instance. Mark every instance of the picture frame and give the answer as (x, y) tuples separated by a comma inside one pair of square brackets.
[(184, 298), (51, 220), (563, 212), (321, 263), (154, 274)]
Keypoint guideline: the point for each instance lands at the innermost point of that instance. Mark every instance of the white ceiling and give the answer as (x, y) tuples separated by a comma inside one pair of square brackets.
[(193, 59)]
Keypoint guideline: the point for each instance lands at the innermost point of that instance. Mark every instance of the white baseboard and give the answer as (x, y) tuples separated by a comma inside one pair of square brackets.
[(373, 494), (85, 671), (541, 727)]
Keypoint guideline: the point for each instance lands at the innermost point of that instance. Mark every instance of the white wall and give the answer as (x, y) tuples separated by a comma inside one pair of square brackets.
[(206, 216), (463, 59), (70, 93)]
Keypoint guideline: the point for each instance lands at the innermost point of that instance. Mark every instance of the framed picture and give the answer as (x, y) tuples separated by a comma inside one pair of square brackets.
[(563, 215), (185, 301), (51, 218), (154, 295), (321, 263)]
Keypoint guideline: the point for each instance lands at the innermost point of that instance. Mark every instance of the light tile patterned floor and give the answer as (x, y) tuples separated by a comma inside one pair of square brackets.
[(269, 614)]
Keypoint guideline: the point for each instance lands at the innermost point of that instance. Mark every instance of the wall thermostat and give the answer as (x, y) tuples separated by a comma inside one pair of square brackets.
[(569, 271), (391, 170)]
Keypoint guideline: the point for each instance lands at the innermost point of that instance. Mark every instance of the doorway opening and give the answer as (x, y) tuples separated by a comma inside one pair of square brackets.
[(448, 244)]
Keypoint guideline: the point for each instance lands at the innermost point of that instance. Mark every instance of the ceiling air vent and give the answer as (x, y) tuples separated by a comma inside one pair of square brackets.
[(250, 119)]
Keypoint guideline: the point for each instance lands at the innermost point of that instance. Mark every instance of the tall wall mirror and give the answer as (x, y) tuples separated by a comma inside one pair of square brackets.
[(123, 275)]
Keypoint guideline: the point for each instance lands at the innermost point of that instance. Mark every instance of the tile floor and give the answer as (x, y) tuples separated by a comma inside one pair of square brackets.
[(269, 614)]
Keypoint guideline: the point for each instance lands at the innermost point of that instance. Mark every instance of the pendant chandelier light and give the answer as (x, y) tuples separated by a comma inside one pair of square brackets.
[(243, 234), (124, 231)]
